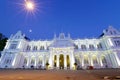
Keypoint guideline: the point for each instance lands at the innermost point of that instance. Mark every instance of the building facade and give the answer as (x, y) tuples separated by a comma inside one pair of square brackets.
[(62, 52)]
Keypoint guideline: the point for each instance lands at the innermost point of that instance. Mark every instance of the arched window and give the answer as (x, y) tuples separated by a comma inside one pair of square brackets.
[(25, 61), (86, 60), (32, 61), (94, 60), (103, 59), (43, 47), (40, 61)]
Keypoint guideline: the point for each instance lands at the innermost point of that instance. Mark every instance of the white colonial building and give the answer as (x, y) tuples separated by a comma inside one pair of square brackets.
[(62, 52)]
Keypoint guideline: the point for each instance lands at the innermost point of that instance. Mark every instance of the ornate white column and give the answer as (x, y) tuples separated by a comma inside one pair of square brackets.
[(91, 60), (101, 63), (43, 62), (65, 62), (82, 61), (98, 62), (112, 60), (28, 62), (115, 63), (51, 61), (14, 61), (58, 61), (35, 62), (117, 59), (72, 61)]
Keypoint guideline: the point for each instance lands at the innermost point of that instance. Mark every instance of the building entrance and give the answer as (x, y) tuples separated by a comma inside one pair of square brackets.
[(61, 61), (68, 62)]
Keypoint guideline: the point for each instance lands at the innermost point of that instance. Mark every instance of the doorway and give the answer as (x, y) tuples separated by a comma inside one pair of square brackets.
[(55, 61), (68, 62), (61, 61)]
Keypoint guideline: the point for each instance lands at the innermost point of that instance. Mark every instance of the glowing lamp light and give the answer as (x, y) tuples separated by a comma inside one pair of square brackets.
[(29, 5)]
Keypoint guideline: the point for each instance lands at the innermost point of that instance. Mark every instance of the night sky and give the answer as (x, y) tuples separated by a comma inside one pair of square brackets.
[(80, 18)]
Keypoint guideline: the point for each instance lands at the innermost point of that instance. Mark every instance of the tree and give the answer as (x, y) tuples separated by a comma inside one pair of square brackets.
[(3, 41)]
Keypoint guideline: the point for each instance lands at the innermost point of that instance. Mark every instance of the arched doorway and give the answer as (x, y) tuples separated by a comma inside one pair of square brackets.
[(61, 61), (68, 62), (55, 60), (94, 58), (104, 61)]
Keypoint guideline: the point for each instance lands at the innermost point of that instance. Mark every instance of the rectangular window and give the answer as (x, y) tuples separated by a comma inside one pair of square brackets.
[(91, 47), (83, 47), (28, 48), (99, 46), (13, 46), (7, 61)]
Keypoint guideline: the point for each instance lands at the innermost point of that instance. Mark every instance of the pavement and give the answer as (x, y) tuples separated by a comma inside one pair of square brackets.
[(58, 74)]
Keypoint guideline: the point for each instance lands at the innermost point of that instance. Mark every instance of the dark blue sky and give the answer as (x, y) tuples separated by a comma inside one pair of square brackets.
[(80, 18)]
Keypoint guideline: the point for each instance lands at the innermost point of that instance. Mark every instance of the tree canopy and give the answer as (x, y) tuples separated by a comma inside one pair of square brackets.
[(3, 41)]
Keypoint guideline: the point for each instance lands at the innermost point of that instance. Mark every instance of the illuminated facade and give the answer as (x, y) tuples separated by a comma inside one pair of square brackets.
[(63, 52)]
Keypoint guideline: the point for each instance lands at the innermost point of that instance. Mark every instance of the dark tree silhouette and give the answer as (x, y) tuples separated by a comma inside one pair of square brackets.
[(3, 41)]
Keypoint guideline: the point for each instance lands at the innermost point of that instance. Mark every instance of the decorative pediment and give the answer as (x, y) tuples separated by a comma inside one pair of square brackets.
[(111, 31), (62, 36), (18, 35)]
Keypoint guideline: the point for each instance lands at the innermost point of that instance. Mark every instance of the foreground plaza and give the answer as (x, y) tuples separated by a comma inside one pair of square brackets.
[(62, 52), (99, 74)]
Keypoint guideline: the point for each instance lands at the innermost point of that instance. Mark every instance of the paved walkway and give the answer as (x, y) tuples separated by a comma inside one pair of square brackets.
[(51, 75)]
